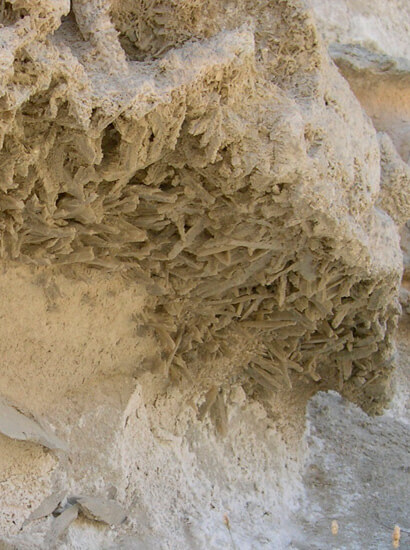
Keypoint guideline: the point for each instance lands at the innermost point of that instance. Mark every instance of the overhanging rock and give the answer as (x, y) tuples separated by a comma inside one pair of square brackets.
[(235, 175)]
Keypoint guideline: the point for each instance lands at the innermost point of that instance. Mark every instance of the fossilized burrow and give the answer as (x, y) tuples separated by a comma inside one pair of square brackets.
[(235, 175)]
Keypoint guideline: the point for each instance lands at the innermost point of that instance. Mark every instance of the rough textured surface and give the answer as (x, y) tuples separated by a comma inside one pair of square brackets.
[(199, 230), (379, 26), (357, 472), (237, 177)]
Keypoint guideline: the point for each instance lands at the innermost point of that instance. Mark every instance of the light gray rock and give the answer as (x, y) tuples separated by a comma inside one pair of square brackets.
[(357, 473), (47, 507), (199, 231), (102, 509), (16, 425), (61, 523)]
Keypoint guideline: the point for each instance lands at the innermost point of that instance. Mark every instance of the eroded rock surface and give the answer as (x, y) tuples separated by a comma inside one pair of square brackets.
[(206, 223), (235, 176), (357, 472)]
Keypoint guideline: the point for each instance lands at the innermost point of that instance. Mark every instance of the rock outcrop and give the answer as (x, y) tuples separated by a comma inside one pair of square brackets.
[(199, 228)]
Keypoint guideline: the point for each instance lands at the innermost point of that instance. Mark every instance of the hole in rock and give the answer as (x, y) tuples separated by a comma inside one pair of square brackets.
[(110, 144)]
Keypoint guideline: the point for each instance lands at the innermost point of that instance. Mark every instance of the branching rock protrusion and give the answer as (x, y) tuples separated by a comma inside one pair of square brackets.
[(235, 175)]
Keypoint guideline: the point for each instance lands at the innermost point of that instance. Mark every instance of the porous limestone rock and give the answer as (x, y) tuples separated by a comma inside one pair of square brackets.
[(199, 231)]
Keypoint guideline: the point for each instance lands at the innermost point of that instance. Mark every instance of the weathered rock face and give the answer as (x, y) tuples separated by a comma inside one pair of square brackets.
[(205, 223), (236, 177)]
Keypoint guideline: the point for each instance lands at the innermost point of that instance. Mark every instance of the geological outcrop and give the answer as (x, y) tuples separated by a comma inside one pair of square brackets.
[(206, 223)]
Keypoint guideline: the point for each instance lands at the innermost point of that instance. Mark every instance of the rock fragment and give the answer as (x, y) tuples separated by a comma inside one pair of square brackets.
[(61, 523), (16, 425), (101, 509), (47, 507)]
